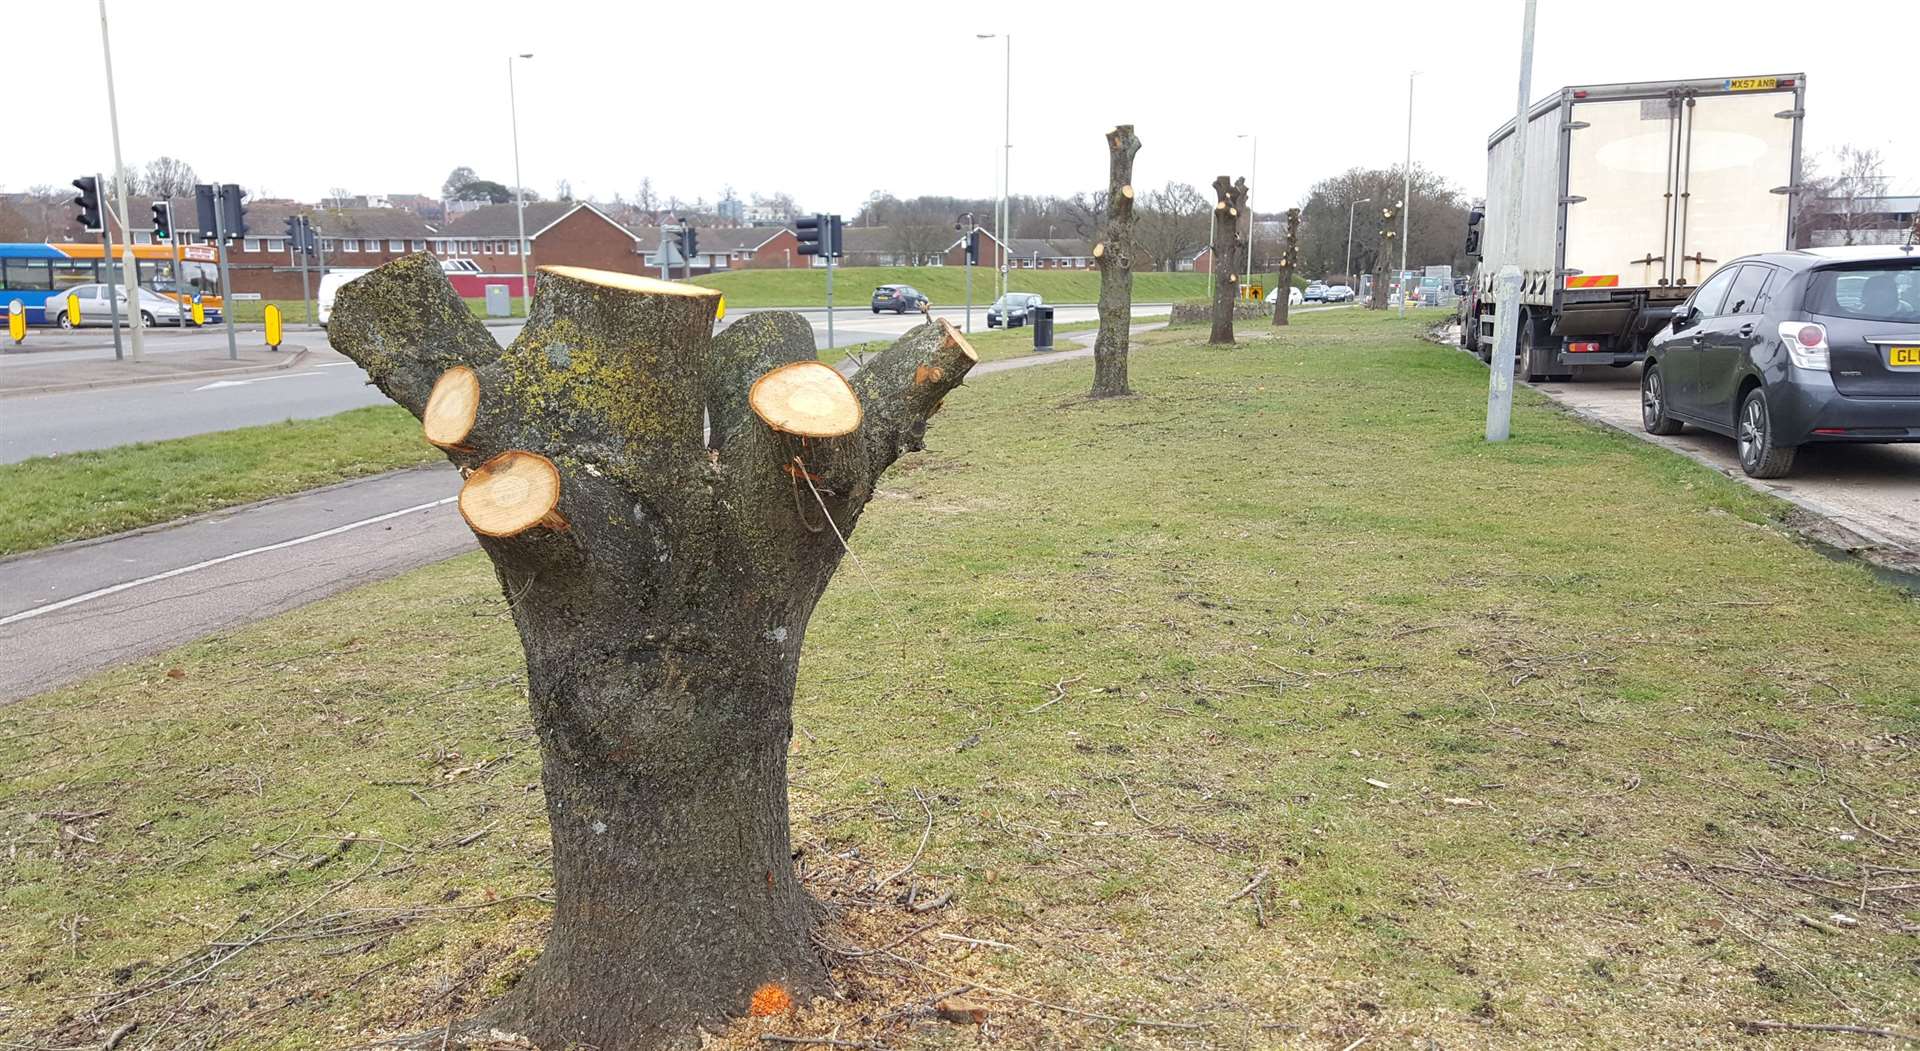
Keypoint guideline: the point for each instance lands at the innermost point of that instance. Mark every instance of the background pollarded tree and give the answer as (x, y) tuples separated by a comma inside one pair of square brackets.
[(1172, 223), (167, 177), (1114, 255), (661, 577), (919, 234), (1283, 281), (1229, 248)]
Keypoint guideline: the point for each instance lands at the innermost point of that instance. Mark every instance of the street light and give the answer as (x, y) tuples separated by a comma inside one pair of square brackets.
[(1350, 208), (1406, 193), (1003, 217), (1253, 175), (519, 197)]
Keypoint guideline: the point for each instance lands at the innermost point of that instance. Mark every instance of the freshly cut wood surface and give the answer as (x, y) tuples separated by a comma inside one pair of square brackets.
[(512, 493), (807, 398), (951, 337), (452, 407), (631, 282)]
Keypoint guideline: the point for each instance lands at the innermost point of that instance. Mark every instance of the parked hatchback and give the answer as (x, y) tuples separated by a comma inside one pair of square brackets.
[(897, 298), (1338, 294), (1012, 310), (1785, 349)]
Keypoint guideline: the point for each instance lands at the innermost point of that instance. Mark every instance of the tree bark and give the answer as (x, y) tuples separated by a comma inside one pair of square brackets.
[(1114, 254), (661, 609), (1283, 281), (1383, 261), (1230, 200)]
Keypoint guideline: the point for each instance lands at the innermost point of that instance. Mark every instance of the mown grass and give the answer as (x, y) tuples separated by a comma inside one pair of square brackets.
[(1539, 745), (991, 344), (54, 499), (945, 285)]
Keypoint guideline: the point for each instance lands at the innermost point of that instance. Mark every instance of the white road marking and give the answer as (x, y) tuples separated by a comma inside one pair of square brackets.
[(171, 573), (334, 365), (217, 384)]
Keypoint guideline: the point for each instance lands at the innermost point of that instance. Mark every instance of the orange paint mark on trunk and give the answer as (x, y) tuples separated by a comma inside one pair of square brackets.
[(770, 999)]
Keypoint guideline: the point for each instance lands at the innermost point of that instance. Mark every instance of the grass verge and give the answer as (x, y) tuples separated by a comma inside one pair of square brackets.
[(1271, 700), (945, 285), (54, 499)]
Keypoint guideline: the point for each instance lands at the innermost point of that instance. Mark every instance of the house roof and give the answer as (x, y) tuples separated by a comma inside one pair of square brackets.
[(737, 238), (500, 220)]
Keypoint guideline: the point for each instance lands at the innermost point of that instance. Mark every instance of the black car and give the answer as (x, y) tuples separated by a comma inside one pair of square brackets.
[(898, 298), (1012, 310), (1783, 349)]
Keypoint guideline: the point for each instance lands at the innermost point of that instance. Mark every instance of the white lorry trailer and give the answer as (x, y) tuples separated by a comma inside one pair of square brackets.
[(1632, 195)]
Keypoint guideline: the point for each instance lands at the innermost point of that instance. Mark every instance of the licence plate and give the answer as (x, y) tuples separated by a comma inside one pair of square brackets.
[(1753, 84), (1903, 357)]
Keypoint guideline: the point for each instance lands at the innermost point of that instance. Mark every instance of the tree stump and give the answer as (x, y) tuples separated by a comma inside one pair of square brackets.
[(1228, 247), (663, 507), (1114, 254), (1283, 281)]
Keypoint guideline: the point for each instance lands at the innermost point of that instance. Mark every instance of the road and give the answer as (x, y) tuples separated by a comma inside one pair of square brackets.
[(1870, 490), (48, 424), (72, 610)]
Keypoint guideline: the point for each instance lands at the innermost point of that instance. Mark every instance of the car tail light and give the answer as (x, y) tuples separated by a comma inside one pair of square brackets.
[(1806, 344), (1583, 348)]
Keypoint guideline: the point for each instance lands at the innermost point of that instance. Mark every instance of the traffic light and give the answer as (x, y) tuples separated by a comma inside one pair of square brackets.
[(833, 239), (233, 212), (205, 210), (809, 229), (293, 233), (162, 221), (690, 243), (973, 247), (88, 202)]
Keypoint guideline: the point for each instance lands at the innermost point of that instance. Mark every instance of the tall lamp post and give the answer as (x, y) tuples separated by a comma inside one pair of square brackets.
[(1406, 195), (1253, 176), (1350, 208), (1003, 209), (129, 272), (519, 197)]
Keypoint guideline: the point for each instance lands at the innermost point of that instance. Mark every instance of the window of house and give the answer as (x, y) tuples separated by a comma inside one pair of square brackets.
[(142, 237), (396, 245), (276, 244), (349, 244), (327, 244), (419, 246), (250, 244)]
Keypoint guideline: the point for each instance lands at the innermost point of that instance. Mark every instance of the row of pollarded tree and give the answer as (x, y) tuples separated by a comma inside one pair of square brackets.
[(664, 506)]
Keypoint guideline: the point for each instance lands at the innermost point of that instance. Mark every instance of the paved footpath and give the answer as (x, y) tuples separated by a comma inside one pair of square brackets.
[(72, 610)]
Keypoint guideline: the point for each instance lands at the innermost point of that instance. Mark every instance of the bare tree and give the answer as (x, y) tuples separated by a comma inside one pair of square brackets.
[(661, 576), (1114, 254), (1861, 176), (916, 234), (1230, 202), (169, 177), (563, 190), (1283, 281), (646, 200), (1172, 223)]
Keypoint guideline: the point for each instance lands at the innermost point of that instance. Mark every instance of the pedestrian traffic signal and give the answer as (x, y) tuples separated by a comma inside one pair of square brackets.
[(88, 202), (162, 221), (690, 244), (973, 247), (205, 210), (808, 229)]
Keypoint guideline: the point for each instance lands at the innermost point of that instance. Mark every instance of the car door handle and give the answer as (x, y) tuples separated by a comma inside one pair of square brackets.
[(1746, 329)]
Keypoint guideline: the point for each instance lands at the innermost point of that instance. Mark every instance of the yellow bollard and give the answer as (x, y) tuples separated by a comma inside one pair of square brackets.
[(17, 321), (199, 312), (73, 309), (273, 326)]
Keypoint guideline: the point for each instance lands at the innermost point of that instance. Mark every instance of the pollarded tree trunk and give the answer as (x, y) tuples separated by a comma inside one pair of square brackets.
[(661, 576), (1228, 247), (1114, 254), (1283, 281), (1382, 262)]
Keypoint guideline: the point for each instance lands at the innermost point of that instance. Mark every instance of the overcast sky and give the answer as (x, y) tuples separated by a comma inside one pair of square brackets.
[(292, 99)]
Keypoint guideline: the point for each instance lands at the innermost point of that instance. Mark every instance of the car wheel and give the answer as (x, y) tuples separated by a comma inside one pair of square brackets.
[(1526, 355), (1653, 404), (1759, 456), (65, 321), (146, 319)]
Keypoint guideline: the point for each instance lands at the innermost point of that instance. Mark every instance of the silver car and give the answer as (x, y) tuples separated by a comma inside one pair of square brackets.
[(155, 309)]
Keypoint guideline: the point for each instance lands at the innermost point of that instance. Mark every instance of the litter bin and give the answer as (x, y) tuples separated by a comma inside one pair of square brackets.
[(499, 301), (1041, 317)]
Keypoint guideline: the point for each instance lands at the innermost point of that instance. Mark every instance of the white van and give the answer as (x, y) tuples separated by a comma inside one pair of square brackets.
[(329, 285)]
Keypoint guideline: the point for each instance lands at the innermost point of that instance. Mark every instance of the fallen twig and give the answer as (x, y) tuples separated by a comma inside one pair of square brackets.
[(1258, 878), (988, 942), (1863, 826), (925, 834), (1062, 1008), (1758, 1025), (827, 1041), (1059, 693)]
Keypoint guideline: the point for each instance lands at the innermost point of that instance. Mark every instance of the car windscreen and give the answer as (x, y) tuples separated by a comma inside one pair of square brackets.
[(1887, 291), (1000, 304)]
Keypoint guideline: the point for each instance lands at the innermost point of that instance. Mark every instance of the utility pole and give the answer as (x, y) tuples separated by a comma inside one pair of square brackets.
[(968, 250), (1406, 193), (1506, 310), (520, 247), (662, 255), (130, 271), (106, 257), (220, 245)]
